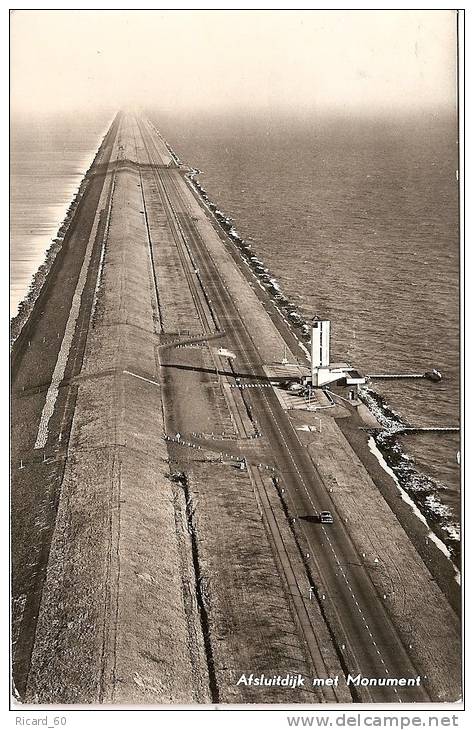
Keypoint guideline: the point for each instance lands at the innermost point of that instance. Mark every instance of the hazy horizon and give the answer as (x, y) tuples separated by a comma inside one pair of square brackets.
[(339, 62)]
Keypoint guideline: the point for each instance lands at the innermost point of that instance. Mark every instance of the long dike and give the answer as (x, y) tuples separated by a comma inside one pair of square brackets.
[(148, 567)]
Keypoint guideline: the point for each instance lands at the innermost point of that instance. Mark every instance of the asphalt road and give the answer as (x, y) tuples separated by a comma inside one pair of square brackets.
[(368, 642)]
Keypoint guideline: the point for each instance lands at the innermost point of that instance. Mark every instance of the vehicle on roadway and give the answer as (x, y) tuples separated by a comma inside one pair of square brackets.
[(326, 518), (294, 386)]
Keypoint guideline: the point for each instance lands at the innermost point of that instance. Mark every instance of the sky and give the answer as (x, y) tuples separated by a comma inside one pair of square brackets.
[(345, 61)]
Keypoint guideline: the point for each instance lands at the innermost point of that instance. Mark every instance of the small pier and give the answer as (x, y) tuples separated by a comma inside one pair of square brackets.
[(427, 429), (394, 376), (433, 375)]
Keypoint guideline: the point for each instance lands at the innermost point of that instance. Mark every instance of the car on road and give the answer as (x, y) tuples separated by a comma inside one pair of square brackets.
[(326, 518), (293, 386)]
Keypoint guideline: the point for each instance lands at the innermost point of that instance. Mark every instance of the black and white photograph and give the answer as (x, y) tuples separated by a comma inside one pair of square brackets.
[(236, 436)]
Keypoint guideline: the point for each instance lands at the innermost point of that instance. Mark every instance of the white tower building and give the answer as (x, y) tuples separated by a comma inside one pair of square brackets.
[(320, 339), (320, 351), (323, 371)]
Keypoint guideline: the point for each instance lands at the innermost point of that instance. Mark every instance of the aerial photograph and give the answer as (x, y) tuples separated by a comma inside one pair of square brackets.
[(235, 373)]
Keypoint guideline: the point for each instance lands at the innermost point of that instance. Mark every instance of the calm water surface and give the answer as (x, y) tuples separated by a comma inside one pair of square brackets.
[(49, 156)]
